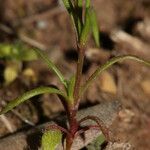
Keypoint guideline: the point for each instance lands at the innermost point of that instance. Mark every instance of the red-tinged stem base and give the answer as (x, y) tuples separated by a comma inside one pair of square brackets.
[(73, 128)]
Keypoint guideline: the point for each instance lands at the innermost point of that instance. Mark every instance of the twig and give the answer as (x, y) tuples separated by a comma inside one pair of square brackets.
[(22, 118), (7, 123), (25, 120), (42, 15), (30, 41), (143, 29), (131, 44), (23, 37), (6, 29)]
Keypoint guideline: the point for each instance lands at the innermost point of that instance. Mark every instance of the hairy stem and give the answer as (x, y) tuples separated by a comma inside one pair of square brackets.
[(57, 127), (73, 127), (69, 142), (81, 51), (72, 109), (100, 123)]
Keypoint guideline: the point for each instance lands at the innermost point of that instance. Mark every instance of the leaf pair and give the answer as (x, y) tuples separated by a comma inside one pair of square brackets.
[(69, 86)]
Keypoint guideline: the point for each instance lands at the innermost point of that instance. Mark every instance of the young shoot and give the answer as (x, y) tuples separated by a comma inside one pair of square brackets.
[(84, 20)]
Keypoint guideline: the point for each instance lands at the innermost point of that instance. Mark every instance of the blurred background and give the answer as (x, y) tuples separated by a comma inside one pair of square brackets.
[(124, 29)]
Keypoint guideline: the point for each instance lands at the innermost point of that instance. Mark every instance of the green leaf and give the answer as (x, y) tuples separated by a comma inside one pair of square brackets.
[(78, 17), (68, 5), (86, 29), (96, 143), (5, 50), (79, 26), (71, 84), (28, 55), (52, 66), (80, 2), (107, 65), (30, 94), (23, 52), (51, 139), (88, 3), (74, 16), (95, 28), (17, 51)]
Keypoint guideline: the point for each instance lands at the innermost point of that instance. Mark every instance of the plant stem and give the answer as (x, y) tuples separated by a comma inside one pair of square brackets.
[(72, 109), (68, 143), (73, 125), (81, 51)]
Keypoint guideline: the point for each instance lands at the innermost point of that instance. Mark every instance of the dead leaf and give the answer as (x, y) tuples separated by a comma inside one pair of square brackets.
[(145, 84), (107, 83)]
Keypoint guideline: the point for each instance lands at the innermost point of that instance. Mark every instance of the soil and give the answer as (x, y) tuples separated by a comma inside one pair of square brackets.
[(47, 23)]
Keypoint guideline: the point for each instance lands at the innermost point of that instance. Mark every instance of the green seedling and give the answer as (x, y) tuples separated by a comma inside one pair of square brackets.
[(17, 51), (84, 21), (13, 55)]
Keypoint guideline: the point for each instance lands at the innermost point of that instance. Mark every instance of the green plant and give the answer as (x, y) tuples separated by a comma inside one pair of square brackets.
[(13, 55), (16, 51), (83, 16)]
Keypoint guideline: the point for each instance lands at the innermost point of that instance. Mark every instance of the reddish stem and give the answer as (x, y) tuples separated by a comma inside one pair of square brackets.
[(78, 74), (72, 109), (73, 127), (84, 129), (100, 123), (57, 127)]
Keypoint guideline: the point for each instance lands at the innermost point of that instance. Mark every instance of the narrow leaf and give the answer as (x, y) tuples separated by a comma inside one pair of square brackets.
[(75, 14), (51, 139), (86, 29), (79, 26), (107, 65), (88, 3), (52, 66), (80, 2), (28, 95), (95, 28), (78, 17), (71, 87), (68, 5)]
